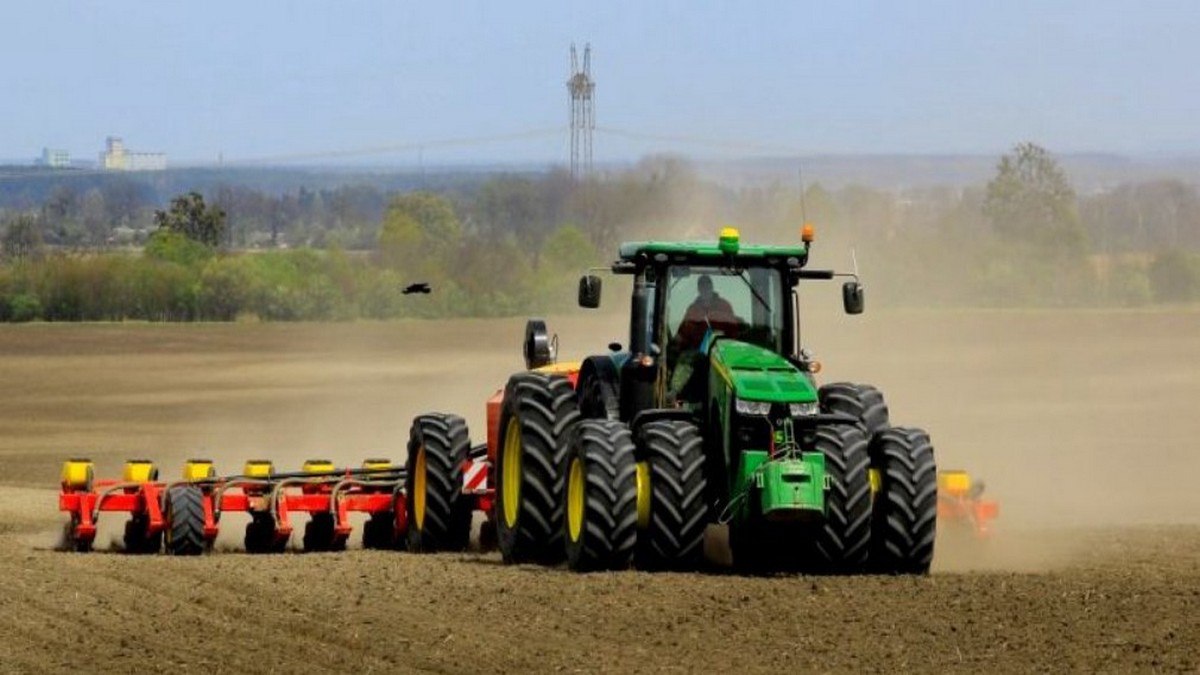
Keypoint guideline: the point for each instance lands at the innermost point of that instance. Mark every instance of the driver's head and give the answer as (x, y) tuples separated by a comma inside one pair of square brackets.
[(704, 287)]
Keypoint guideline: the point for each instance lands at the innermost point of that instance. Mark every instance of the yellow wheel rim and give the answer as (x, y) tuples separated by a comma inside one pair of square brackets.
[(575, 500), (419, 488), (512, 472), (643, 494)]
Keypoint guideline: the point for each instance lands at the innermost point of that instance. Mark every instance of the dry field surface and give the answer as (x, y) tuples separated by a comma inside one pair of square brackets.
[(1085, 425)]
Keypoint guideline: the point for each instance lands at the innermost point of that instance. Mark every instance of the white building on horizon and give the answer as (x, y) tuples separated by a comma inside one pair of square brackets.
[(116, 158), (55, 159)]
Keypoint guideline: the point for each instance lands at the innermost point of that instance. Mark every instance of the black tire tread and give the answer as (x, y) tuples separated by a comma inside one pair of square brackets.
[(447, 525), (862, 401), (679, 513), (185, 521), (609, 536), (905, 512), (545, 407), (843, 542)]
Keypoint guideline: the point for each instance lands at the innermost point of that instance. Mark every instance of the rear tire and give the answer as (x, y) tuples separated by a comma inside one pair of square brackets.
[(843, 542), (673, 539), (905, 512), (439, 519), (538, 412), (601, 504), (861, 401), (184, 514)]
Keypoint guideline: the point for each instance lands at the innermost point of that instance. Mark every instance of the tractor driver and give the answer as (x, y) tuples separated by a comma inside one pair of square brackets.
[(708, 311)]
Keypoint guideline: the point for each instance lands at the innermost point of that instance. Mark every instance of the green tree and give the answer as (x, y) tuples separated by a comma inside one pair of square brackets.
[(1031, 200), (175, 247), (22, 238), (193, 219), (1175, 276), (419, 235), (509, 206), (568, 250)]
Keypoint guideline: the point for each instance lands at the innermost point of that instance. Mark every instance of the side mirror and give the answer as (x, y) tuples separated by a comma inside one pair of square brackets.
[(539, 348), (852, 297), (589, 291)]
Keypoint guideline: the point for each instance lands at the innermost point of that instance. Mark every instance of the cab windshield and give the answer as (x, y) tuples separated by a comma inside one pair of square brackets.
[(744, 304)]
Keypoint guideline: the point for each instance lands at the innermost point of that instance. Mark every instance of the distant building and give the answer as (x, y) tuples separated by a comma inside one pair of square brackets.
[(55, 159), (116, 158)]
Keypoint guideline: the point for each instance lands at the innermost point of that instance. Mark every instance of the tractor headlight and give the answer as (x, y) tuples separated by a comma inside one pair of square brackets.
[(803, 409), (752, 407)]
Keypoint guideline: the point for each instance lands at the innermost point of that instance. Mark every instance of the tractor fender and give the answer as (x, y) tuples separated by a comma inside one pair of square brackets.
[(599, 386), (644, 417)]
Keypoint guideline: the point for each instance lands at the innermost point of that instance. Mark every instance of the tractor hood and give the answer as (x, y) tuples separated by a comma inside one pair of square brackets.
[(757, 374)]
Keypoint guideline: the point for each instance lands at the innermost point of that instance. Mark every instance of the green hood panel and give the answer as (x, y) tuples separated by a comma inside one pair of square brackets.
[(757, 374)]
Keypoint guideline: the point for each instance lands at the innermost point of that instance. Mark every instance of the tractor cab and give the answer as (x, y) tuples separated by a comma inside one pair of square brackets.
[(687, 297)]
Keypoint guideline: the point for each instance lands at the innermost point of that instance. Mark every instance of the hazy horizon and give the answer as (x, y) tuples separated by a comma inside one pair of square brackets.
[(270, 81)]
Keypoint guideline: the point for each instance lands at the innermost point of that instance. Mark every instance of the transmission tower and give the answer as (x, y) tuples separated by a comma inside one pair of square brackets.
[(581, 86)]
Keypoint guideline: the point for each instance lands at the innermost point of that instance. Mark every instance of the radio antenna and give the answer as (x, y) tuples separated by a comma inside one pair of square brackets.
[(803, 205)]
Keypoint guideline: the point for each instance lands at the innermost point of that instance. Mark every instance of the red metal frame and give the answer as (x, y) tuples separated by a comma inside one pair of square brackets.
[(960, 509), (241, 495)]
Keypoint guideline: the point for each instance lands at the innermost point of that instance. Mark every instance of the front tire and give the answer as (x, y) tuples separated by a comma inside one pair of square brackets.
[(905, 510), (861, 401), (538, 412), (673, 536), (601, 504), (843, 542), (439, 517)]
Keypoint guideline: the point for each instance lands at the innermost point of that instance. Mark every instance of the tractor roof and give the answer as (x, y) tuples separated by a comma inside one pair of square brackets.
[(726, 247)]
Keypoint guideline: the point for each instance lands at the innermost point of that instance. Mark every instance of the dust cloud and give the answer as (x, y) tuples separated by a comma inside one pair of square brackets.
[(1075, 419)]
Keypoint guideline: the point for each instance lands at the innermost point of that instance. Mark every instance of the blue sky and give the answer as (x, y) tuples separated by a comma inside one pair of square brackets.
[(265, 79)]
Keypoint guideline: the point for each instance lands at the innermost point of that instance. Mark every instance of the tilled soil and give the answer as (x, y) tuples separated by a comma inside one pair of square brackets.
[(1108, 580), (1132, 602)]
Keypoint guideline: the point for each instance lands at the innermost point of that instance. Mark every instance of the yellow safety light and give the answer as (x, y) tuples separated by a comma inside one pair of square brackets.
[(728, 242), (377, 463), (807, 233)]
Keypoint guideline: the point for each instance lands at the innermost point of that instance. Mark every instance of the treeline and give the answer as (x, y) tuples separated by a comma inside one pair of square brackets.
[(514, 243), (183, 274)]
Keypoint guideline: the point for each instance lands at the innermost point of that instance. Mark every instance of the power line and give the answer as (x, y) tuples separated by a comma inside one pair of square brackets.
[(700, 141), (382, 149)]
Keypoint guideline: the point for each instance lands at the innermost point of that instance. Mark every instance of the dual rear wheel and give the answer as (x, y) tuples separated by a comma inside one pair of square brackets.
[(903, 477), (586, 490)]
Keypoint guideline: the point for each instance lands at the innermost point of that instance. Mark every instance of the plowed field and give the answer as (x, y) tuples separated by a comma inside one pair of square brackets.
[(1085, 425)]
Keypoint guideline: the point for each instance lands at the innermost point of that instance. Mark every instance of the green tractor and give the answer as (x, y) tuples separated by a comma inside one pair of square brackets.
[(710, 415)]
